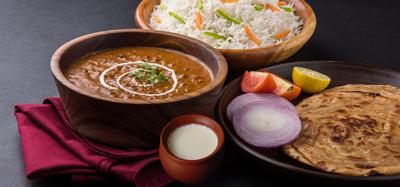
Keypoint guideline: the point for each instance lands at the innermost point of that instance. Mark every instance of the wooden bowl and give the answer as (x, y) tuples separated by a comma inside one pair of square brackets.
[(191, 171), (138, 123), (341, 73), (244, 59)]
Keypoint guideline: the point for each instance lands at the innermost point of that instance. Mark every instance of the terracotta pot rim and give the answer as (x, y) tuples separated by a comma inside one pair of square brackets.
[(221, 139), (219, 77)]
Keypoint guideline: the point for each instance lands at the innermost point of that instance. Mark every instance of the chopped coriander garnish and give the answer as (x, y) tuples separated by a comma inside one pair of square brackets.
[(138, 74), (149, 74)]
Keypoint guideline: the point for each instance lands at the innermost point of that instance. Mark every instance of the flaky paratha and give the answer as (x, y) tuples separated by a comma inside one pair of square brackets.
[(351, 130)]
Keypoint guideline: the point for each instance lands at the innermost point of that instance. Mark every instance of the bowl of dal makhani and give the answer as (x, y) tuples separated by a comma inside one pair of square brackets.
[(120, 87), (249, 33)]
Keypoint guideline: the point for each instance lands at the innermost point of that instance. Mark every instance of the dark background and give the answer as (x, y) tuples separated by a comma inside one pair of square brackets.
[(31, 30)]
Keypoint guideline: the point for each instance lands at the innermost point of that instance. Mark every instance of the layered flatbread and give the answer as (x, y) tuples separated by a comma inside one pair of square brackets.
[(351, 130)]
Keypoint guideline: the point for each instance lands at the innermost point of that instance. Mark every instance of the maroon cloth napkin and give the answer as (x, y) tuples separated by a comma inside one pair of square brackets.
[(51, 148)]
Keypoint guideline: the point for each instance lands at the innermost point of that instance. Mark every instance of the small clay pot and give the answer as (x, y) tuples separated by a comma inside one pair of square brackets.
[(190, 171)]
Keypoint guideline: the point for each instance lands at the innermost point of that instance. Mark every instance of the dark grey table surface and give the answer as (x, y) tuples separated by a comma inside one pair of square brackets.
[(31, 30)]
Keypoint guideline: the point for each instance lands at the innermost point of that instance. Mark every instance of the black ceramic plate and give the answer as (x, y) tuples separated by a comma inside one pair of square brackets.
[(341, 73)]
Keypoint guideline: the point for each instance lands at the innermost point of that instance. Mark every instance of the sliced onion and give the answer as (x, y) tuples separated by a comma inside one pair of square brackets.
[(264, 120), (249, 98)]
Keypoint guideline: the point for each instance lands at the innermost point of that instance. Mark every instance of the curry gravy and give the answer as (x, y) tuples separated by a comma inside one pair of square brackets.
[(143, 73)]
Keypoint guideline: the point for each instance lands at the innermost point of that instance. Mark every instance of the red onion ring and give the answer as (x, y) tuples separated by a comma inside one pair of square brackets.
[(241, 100), (264, 120)]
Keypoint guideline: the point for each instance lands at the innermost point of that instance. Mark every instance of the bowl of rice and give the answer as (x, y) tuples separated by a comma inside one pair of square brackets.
[(249, 33)]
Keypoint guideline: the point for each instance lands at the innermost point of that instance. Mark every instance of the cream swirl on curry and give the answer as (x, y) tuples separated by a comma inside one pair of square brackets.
[(146, 75)]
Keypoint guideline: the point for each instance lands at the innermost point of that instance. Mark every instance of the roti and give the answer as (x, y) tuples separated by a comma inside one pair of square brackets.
[(351, 130)]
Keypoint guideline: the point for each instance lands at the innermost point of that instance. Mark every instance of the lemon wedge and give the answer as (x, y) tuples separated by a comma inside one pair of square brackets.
[(309, 80)]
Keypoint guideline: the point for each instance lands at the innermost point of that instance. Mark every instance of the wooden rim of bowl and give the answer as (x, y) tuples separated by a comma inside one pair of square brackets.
[(307, 30), (219, 77)]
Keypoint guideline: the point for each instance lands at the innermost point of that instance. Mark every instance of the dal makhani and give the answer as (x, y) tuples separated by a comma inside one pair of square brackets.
[(133, 73)]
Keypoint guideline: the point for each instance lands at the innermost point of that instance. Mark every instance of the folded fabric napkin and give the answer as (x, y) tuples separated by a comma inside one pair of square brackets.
[(52, 148)]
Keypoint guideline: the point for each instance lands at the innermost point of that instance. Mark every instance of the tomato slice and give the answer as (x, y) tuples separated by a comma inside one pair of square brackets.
[(255, 81), (285, 88)]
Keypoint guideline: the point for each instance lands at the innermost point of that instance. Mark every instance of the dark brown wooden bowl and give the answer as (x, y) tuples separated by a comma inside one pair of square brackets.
[(138, 123), (341, 73), (243, 59)]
